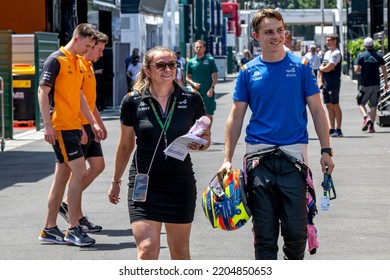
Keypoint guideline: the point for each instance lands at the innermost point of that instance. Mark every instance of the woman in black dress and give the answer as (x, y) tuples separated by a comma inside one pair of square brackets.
[(152, 116)]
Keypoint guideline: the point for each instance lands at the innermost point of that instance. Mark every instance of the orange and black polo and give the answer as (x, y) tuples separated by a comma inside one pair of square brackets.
[(89, 87), (64, 73)]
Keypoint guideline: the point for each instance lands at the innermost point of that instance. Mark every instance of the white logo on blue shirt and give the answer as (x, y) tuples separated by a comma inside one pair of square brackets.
[(291, 72), (256, 76)]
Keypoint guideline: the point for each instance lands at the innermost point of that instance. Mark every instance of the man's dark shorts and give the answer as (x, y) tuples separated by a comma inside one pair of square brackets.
[(369, 94), (91, 148), (68, 146), (331, 96)]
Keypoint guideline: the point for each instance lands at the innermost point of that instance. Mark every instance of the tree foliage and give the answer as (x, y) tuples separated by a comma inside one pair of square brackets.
[(357, 46)]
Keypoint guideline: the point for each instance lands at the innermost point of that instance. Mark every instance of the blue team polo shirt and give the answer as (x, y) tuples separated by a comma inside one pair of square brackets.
[(276, 93)]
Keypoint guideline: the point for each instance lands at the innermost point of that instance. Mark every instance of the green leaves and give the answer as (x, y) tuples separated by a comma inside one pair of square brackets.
[(287, 4), (357, 46)]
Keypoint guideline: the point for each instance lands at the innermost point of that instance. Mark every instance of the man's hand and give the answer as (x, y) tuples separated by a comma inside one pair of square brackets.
[(210, 93), (97, 131), (226, 167), (327, 163), (84, 136), (113, 192), (50, 134)]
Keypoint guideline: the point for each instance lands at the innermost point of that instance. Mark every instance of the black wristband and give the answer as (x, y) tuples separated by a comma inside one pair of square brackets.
[(327, 150)]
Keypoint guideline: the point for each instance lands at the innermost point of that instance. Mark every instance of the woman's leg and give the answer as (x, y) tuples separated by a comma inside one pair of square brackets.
[(178, 238), (147, 237)]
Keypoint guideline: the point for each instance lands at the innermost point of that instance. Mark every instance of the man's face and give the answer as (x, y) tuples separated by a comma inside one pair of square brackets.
[(270, 35), (330, 43), (83, 44), (288, 38), (199, 49), (93, 54)]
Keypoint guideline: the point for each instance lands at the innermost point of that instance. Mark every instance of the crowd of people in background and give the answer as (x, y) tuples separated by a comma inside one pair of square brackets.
[(326, 64)]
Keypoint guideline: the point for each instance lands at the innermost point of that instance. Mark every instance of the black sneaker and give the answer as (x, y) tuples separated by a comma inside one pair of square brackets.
[(52, 235), (77, 237), (337, 133), (64, 211), (87, 226)]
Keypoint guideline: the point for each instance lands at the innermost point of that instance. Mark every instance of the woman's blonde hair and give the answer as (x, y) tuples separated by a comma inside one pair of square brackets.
[(143, 81), (247, 54)]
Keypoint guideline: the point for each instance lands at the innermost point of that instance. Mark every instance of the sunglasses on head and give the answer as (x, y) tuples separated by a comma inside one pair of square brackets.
[(162, 65)]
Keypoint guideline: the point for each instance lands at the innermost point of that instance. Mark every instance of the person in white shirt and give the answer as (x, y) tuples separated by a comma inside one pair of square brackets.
[(314, 59), (180, 72), (288, 42), (181, 60), (133, 70)]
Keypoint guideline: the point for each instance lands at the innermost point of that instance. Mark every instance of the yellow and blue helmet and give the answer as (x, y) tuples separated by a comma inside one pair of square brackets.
[(224, 201)]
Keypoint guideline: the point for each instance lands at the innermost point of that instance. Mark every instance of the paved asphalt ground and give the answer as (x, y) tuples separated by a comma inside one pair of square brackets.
[(356, 228)]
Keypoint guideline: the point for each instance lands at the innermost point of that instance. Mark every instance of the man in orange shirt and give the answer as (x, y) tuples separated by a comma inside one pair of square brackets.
[(61, 101), (92, 150)]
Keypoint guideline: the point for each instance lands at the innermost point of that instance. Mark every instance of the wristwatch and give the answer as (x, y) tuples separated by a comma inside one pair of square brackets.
[(327, 150)]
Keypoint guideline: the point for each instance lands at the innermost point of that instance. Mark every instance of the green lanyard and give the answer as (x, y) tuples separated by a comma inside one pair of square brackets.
[(165, 126)]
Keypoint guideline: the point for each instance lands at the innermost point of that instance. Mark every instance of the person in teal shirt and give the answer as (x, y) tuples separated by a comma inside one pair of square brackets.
[(202, 75)]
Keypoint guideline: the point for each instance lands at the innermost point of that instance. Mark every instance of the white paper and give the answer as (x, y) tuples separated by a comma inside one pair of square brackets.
[(179, 147)]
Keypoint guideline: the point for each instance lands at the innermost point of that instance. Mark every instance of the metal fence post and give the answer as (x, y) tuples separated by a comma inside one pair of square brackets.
[(2, 113)]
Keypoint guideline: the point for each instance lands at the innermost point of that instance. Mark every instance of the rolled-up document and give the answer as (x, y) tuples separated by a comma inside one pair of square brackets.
[(179, 147)]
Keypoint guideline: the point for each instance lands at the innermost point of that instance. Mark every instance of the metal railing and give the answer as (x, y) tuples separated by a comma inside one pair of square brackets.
[(384, 100), (2, 113)]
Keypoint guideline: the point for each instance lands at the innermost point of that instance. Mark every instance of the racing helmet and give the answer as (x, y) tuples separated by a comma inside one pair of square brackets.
[(224, 201)]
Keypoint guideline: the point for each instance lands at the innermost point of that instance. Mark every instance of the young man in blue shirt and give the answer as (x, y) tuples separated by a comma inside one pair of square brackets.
[(276, 86)]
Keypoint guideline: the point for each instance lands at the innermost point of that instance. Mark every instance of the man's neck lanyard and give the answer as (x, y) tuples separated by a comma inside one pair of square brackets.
[(165, 126)]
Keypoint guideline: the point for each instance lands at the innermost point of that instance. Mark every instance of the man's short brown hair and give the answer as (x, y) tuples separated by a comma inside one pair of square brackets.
[(85, 30), (201, 41), (101, 38), (333, 37), (265, 13)]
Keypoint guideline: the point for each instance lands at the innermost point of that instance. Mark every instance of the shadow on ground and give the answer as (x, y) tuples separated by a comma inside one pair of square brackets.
[(24, 167)]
